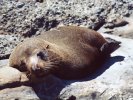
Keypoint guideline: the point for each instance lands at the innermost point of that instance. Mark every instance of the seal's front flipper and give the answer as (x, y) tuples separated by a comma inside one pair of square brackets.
[(110, 46)]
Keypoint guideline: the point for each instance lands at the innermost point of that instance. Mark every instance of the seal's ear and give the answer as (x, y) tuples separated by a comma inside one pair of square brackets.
[(47, 47)]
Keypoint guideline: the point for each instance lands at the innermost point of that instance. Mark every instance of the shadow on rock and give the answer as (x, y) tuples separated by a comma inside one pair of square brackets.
[(50, 89), (109, 62)]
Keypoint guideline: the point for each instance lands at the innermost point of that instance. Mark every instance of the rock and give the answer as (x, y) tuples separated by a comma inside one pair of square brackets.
[(121, 27), (7, 44), (26, 18), (18, 93), (39, 1), (22, 16), (10, 77), (3, 63), (20, 4), (116, 23)]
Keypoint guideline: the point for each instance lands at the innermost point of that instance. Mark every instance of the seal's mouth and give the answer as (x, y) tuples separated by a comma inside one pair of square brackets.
[(40, 72), (42, 69), (36, 74)]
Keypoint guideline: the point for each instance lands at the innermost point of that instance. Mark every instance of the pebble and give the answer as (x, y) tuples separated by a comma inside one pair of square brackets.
[(20, 4)]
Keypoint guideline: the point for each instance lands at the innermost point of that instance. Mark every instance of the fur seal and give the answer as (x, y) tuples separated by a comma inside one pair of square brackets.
[(68, 52)]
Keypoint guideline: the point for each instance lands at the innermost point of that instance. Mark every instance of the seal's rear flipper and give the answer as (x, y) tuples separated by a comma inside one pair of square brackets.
[(110, 46)]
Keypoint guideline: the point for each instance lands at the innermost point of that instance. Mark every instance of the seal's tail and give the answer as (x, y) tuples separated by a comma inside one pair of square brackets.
[(110, 46)]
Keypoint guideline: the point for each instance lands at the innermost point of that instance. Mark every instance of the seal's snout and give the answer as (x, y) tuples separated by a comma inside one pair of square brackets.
[(38, 71), (37, 63), (33, 64), (34, 68)]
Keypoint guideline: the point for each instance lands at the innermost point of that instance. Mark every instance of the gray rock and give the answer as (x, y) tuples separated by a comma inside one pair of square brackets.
[(27, 17), (10, 77), (121, 27), (3, 63), (20, 4), (18, 93), (7, 44)]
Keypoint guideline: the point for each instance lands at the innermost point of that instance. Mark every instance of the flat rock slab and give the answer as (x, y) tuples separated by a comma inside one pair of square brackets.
[(18, 93)]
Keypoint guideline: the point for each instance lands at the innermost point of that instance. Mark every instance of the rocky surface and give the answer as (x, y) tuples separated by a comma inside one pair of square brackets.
[(7, 43), (25, 18), (18, 93), (28, 17), (113, 81), (21, 19), (122, 27)]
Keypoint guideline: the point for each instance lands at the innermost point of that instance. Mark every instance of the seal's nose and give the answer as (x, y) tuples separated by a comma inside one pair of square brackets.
[(34, 68), (37, 71), (33, 63)]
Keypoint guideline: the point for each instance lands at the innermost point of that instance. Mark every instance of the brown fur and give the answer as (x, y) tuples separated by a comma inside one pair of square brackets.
[(70, 52)]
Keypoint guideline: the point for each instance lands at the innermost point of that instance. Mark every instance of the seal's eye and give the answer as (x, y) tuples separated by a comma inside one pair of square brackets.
[(43, 55)]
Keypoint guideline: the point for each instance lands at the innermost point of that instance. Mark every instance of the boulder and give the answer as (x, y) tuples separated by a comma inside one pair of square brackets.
[(10, 77)]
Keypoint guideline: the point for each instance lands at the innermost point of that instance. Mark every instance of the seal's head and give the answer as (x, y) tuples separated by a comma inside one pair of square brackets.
[(38, 63), (36, 59)]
